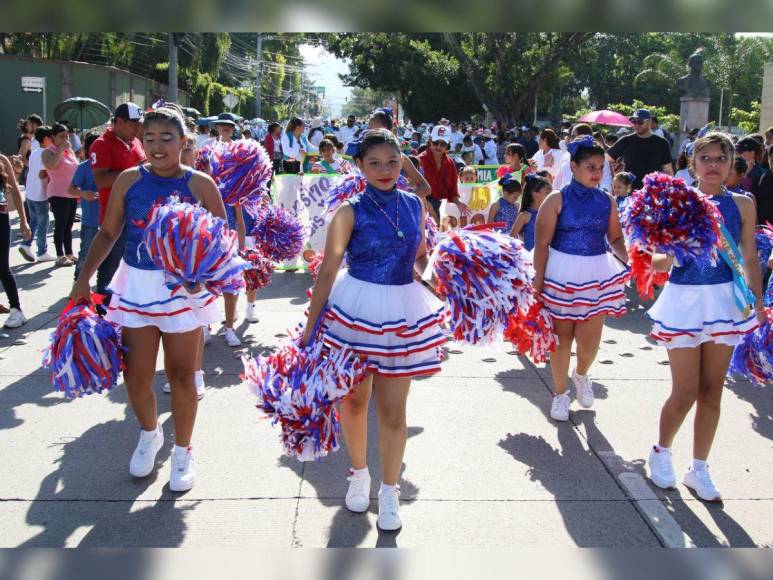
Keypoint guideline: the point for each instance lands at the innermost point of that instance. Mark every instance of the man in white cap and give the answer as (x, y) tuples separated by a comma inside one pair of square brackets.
[(489, 148)]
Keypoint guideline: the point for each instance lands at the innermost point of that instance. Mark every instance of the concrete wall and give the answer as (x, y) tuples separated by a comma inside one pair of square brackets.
[(766, 109), (65, 79)]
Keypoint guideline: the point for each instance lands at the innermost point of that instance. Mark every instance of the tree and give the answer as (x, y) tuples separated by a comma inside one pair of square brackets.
[(748, 121)]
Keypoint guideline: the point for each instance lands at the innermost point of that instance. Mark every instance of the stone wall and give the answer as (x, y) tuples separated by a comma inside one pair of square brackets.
[(766, 110)]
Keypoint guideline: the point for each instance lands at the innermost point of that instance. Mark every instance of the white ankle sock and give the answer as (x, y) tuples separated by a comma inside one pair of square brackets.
[(697, 464), (180, 450), (150, 434), (360, 472), (661, 449), (385, 487)]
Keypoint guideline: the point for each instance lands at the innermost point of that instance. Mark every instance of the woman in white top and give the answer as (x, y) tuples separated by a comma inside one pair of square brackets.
[(564, 173), (550, 157), (292, 147)]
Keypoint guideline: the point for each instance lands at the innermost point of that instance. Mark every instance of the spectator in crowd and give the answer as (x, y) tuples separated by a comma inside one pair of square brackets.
[(439, 170), (468, 174), (75, 141), (467, 157), (549, 156), (768, 137), (530, 143), (457, 137), (515, 159), (564, 175), (8, 184), (763, 194), (474, 148), (683, 169), (60, 163), (225, 124), (84, 187), (347, 132), (734, 181), (751, 150), (661, 131), (37, 202), (292, 148), (315, 132), (502, 143), (642, 151), (273, 145), (115, 150), (27, 140)]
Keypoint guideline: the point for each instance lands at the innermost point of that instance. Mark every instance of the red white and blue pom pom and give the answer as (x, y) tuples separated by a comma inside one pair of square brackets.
[(241, 170), (531, 332), (642, 272), (432, 234), (203, 159), (258, 275), (298, 388), (313, 262), (764, 239), (194, 247), (350, 186), (483, 277), (279, 234), (85, 353), (753, 357), (667, 216)]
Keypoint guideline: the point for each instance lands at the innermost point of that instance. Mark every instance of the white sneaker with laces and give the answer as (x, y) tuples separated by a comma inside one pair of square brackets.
[(251, 315), (15, 319), (389, 509), (144, 456), (26, 253), (183, 474), (559, 410), (584, 388), (231, 339), (358, 495), (661, 468), (46, 258), (700, 482), (200, 388)]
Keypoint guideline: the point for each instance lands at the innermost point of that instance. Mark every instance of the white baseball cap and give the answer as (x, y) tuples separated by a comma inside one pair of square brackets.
[(441, 133)]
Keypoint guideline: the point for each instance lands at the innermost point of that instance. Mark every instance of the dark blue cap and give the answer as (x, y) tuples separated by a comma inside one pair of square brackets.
[(641, 114)]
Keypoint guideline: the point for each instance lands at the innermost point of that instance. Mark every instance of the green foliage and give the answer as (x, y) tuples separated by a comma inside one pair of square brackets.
[(668, 121), (748, 121)]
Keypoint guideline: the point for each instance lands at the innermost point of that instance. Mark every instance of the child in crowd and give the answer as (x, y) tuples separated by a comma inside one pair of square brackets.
[(83, 186), (328, 163), (534, 193), (505, 209), (468, 175), (515, 162), (621, 187)]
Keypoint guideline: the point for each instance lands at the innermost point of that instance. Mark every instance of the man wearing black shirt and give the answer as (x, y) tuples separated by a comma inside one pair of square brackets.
[(642, 151)]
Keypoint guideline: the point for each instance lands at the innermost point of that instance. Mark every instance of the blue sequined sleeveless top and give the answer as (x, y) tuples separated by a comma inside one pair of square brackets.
[(583, 222), (139, 198), (699, 271), (249, 221), (507, 213), (376, 253), (528, 230)]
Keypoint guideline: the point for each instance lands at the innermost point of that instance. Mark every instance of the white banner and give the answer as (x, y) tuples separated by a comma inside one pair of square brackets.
[(479, 197)]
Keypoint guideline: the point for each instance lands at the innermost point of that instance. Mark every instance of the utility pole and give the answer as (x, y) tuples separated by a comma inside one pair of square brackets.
[(259, 53), (174, 40)]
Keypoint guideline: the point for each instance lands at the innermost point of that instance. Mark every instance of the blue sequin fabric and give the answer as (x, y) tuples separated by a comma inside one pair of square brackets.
[(507, 213), (376, 253), (149, 189), (583, 222), (528, 230), (249, 221), (700, 271)]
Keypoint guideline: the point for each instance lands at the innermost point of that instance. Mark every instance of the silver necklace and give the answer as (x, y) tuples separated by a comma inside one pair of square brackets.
[(396, 226)]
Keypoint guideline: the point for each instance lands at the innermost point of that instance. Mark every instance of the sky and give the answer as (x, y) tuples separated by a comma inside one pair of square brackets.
[(324, 68)]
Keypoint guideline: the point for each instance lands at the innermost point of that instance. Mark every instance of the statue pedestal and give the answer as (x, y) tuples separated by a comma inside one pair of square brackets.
[(693, 114)]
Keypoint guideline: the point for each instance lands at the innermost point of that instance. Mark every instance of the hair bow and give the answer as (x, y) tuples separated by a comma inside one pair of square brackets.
[(584, 141), (533, 177), (704, 130)]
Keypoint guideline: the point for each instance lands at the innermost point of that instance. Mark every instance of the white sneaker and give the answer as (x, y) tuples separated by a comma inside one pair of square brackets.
[(231, 339), (559, 410), (389, 509), (26, 253), (183, 473), (358, 495), (200, 388), (700, 482), (15, 319), (46, 258), (661, 468), (144, 456), (251, 315), (584, 388)]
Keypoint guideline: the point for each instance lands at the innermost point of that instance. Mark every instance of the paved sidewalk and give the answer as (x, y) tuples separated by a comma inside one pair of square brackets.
[(484, 465)]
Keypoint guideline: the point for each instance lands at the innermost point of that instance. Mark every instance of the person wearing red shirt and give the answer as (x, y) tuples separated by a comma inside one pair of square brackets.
[(273, 137), (440, 171), (116, 150)]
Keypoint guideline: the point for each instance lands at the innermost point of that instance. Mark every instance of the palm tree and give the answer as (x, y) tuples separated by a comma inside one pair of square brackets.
[(660, 68)]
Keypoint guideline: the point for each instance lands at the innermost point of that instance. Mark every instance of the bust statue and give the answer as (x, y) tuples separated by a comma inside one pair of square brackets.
[(693, 84)]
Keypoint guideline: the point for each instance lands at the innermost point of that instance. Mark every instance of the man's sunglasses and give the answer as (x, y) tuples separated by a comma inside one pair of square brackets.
[(443, 143), (638, 121)]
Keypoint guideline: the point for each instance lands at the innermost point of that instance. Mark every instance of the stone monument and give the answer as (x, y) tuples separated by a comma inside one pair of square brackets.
[(695, 89)]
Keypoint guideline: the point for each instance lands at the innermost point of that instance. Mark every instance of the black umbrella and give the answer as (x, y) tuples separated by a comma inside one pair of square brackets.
[(82, 112), (191, 112)]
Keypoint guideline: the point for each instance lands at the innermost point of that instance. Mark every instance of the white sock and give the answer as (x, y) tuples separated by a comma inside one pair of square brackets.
[(180, 450), (360, 472), (200, 373), (150, 434), (385, 487), (697, 464), (250, 304), (659, 448)]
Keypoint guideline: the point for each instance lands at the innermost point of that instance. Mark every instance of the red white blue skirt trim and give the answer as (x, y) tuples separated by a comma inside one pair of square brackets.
[(397, 329), (140, 298), (578, 288), (687, 315)]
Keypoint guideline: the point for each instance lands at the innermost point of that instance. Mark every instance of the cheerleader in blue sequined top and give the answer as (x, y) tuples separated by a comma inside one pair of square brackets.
[(376, 309), (702, 312), (577, 279)]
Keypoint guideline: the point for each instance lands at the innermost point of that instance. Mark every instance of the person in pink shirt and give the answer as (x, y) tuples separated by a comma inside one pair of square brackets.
[(60, 164)]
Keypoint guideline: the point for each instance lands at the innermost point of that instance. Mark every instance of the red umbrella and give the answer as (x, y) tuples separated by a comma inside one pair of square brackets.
[(605, 117)]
